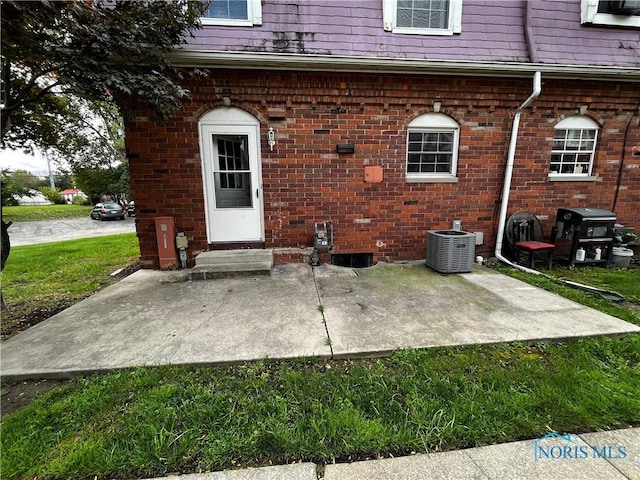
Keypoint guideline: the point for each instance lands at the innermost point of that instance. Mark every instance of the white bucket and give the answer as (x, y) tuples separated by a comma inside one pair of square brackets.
[(621, 256)]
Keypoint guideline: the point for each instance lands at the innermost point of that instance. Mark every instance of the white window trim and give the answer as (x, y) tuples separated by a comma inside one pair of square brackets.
[(390, 9), (589, 14), (254, 14), (577, 122), (433, 122)]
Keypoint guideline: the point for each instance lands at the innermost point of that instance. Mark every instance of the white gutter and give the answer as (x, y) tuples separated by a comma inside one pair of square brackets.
[(508, 173), (333, 63)]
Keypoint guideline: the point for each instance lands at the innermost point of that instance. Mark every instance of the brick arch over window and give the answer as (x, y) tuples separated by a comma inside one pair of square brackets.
[(453, 114), (206, 112)]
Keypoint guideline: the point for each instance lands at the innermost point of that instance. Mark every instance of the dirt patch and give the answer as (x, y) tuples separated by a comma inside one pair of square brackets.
[(20, 394), (126, 271), (16, 321)]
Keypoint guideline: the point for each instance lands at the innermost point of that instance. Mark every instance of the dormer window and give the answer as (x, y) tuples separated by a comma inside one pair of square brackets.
[(237, 13), (423, 17), (619, 13)]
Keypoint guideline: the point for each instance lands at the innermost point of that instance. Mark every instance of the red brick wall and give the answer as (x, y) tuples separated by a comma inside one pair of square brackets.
[(306, 181)]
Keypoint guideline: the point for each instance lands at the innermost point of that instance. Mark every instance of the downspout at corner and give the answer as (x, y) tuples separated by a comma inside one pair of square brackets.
[(508, 173)]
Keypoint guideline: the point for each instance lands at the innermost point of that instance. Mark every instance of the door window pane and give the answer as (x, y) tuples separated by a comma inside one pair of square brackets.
[(232, 174)]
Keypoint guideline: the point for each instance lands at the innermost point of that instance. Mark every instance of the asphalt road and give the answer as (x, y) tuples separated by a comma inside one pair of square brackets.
[(44, 231)]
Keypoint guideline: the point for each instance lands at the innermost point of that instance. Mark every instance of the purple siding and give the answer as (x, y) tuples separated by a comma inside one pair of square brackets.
[(561, 39), (492, 30)]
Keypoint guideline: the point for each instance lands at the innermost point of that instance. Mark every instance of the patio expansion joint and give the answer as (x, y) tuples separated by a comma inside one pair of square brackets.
[(321, 308)]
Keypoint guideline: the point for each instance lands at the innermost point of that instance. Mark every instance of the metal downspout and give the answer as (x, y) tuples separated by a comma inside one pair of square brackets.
[(508, 173)]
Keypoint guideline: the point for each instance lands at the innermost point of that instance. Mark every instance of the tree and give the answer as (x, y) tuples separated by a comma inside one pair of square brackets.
[(112, 182), (97, 50), (62, 179), (93, 146), (113, 51), (15, 186)]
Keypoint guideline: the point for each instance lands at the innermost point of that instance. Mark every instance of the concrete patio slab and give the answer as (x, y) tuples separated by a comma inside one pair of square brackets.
[(158, 318), (409, 306)]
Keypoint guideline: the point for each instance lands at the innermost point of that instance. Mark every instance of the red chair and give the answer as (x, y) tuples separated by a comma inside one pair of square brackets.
[(524, 236)]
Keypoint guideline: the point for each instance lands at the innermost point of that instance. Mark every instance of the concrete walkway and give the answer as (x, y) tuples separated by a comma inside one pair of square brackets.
[(157, 318), (609, 455)]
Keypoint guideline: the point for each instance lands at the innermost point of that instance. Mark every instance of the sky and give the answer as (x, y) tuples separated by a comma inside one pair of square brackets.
[(16, 160)]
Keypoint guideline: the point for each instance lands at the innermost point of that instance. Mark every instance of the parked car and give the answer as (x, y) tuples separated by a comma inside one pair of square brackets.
[(102, 211), (131, 209)]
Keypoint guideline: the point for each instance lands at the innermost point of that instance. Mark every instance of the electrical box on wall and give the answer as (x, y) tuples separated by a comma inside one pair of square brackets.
[(166, 240), (373, 174)]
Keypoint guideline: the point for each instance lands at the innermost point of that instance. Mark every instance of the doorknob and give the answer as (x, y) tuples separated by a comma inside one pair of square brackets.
[(257, 193)]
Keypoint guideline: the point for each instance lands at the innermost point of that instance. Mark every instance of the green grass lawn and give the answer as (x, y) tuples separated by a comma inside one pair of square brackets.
[(24, 213), (152, 421), (48, 277)]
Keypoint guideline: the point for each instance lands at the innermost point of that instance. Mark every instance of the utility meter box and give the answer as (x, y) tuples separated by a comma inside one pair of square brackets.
[(323, 236)]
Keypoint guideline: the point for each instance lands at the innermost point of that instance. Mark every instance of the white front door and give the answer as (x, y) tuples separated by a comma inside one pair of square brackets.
[(232, 176)]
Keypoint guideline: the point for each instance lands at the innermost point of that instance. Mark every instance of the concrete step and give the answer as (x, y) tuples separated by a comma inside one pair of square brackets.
[(231, 263), (216, 257)]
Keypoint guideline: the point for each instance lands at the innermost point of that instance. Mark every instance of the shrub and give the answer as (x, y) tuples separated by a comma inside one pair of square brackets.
[(52, 195), (80, 200)]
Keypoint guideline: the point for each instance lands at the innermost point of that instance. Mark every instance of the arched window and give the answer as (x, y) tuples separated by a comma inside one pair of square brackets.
[(432, 147), (574, 146)]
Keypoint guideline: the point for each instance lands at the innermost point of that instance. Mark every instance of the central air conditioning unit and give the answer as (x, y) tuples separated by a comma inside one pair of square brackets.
[(450, 251), (620, 7)]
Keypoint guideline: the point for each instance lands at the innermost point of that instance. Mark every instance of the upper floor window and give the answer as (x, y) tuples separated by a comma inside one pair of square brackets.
[(620, 13), (432, 147), (233, 13), (423, 17), (574, 146)]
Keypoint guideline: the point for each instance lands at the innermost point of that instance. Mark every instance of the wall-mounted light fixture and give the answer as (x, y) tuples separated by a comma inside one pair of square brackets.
[(271, 138)]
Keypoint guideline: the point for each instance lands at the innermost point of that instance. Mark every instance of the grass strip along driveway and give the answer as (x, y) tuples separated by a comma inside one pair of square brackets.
[(27, 213), (152, 421)]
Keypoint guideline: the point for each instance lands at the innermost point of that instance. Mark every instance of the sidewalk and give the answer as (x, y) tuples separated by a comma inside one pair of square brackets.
[(579, 458)]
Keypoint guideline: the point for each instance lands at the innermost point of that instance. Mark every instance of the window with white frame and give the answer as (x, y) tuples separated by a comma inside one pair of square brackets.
[(423, 17), (432, 147), (233, 13), (574, 146), (620, 13)]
